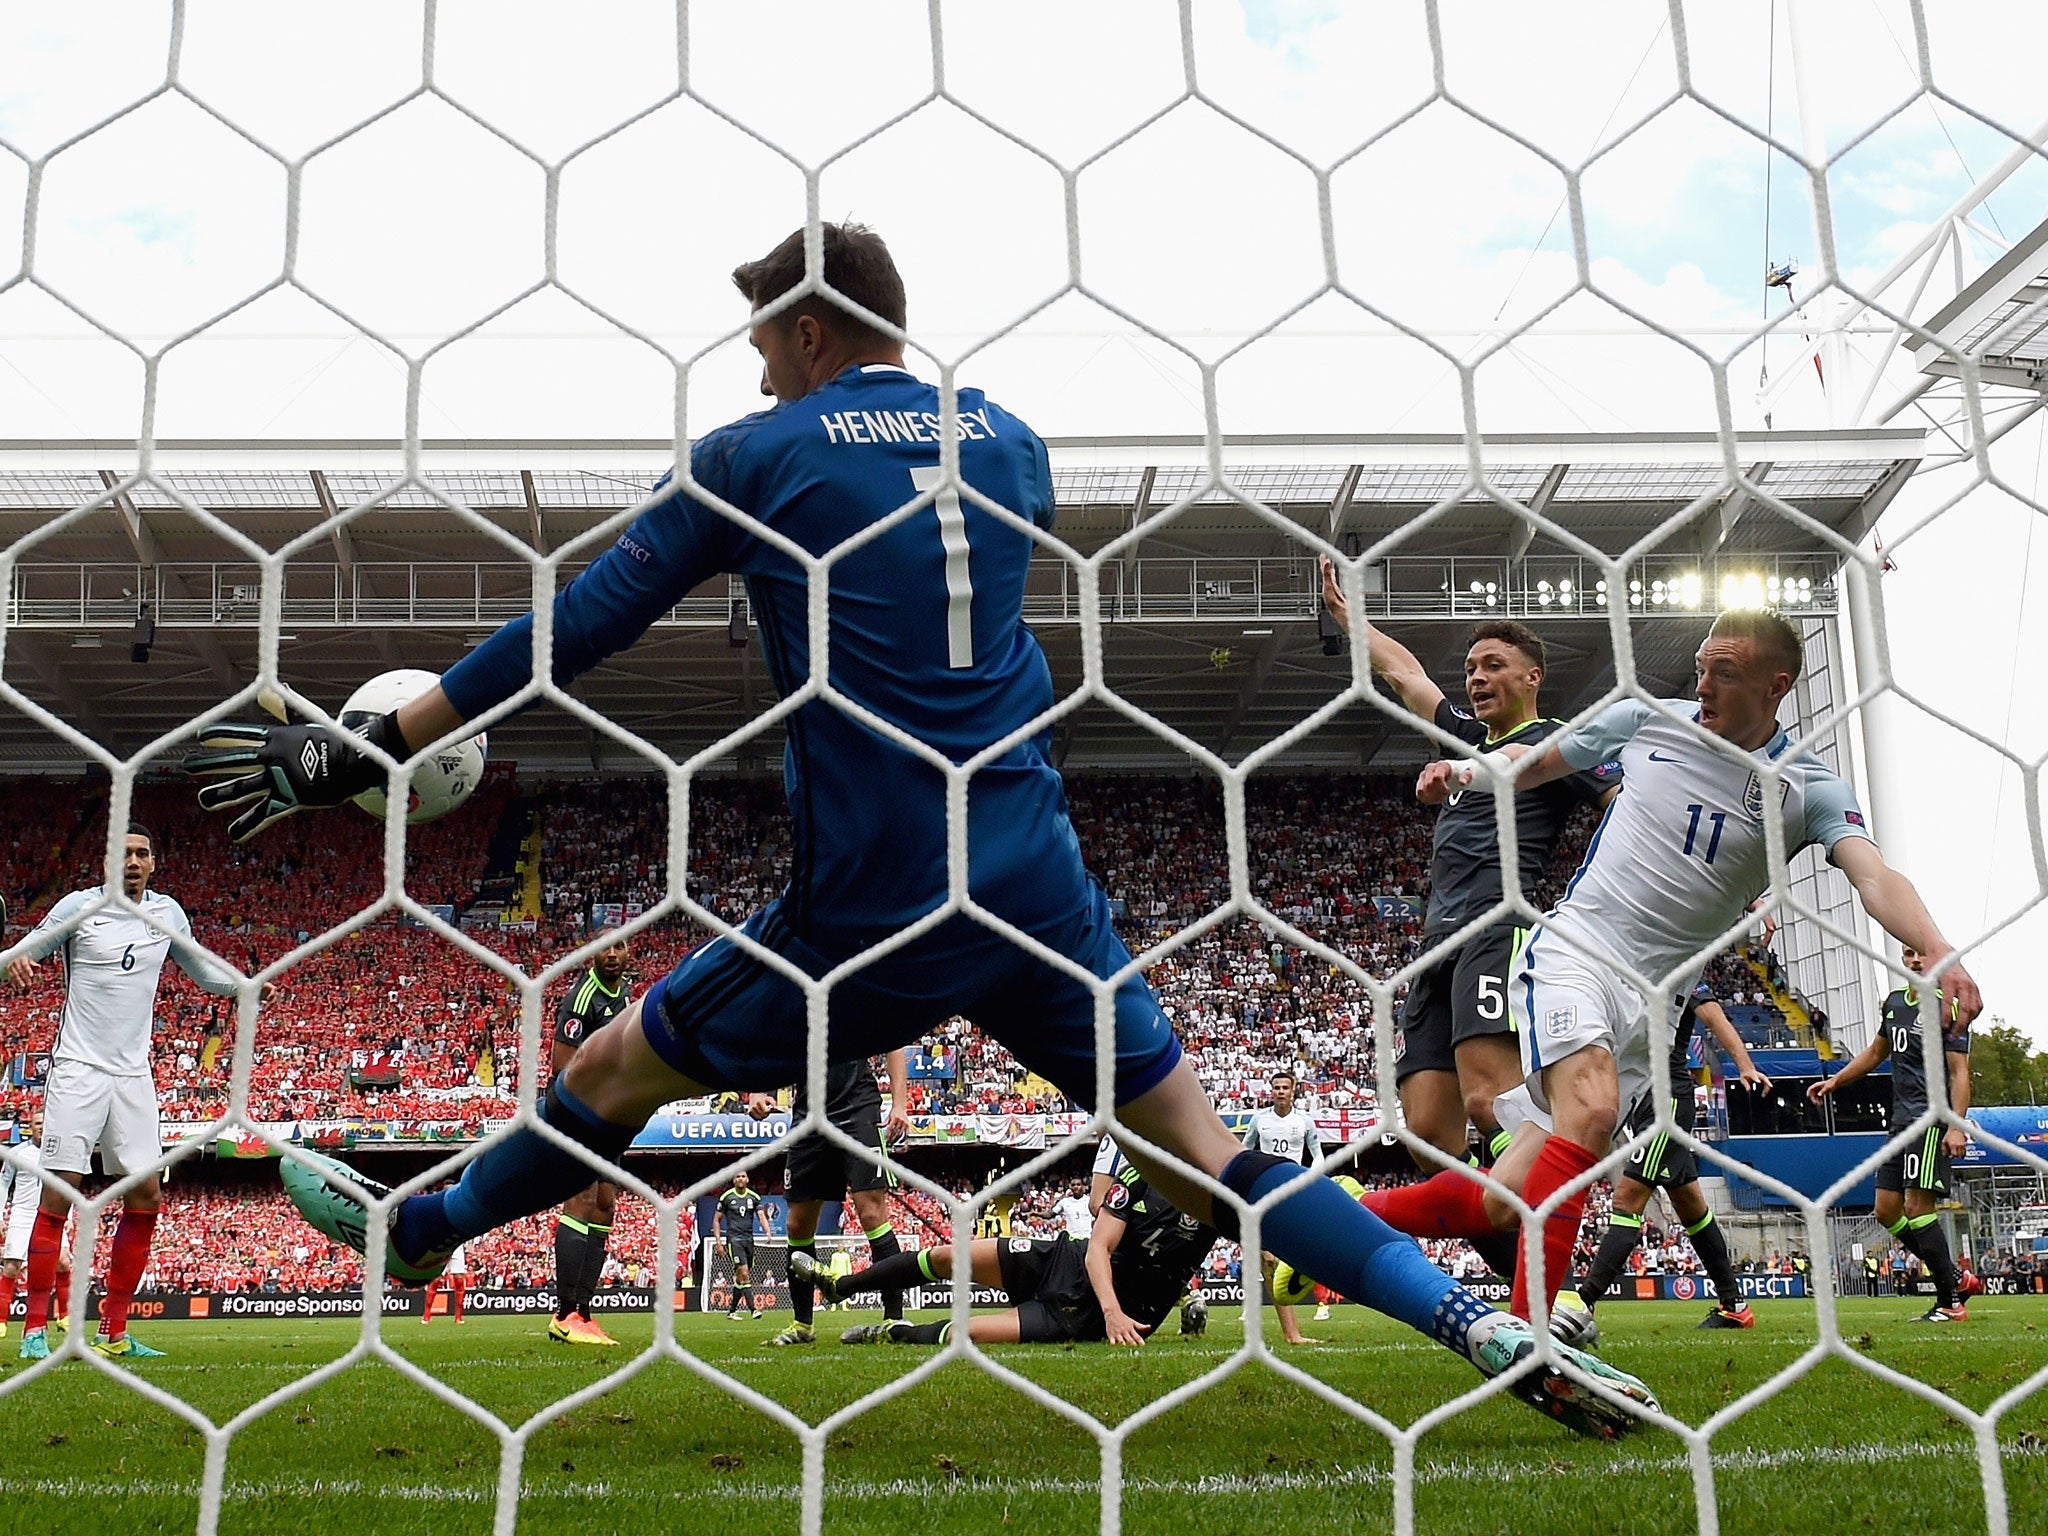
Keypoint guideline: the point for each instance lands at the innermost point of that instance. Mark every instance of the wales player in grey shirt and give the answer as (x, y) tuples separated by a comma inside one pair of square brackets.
[(1911, 1179), (1455, 1050)]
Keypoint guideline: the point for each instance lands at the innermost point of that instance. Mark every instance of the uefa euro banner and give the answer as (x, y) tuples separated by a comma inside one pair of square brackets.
[(482, 1114), (2021, 1125), (713, 1130)]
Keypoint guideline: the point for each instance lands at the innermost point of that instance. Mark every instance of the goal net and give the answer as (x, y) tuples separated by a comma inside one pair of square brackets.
[(1231, 224)]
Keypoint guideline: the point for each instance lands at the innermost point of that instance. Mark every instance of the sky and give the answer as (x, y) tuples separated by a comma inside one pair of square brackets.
[(1193, 167)]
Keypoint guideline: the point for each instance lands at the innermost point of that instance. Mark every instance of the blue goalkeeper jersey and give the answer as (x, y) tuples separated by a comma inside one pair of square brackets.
[(927, 633)]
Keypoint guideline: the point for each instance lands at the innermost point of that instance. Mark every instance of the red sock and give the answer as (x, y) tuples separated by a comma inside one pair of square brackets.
[(61, 1291), (124, 1269), (456, 1291), (1556, 1165), (1447, 1205), (45, 1238), (7, 1283)]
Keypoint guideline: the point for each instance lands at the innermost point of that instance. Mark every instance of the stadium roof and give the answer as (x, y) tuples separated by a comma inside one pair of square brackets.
[(1210, 611), (2001, 320)]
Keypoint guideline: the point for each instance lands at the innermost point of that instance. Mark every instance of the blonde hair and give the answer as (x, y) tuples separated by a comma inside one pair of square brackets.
[(1777, 642)]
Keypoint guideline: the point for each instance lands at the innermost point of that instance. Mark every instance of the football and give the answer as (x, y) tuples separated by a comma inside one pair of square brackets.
[(439, 783), (1291, 1288)]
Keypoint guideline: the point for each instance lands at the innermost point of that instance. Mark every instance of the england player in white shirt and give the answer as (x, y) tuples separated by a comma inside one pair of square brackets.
[(20, 1193), (1077, 1217), (1285, 1129), (1672, 870), (100, 1092), (21, 1190)]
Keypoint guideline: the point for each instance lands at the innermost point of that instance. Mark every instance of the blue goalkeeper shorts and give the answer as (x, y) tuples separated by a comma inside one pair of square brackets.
[(727, 1020)]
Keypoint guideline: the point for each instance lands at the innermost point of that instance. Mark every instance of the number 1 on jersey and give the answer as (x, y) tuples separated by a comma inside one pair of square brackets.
[(959, 581)]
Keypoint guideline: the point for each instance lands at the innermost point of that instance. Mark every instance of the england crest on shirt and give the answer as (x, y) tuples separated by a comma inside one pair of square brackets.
[(1559, 1022), (1753, 797)]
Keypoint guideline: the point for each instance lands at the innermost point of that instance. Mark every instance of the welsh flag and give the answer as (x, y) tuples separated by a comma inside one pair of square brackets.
[(243, 1144)]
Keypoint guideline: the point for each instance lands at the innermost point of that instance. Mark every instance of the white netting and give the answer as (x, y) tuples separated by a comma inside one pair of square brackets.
[(1975, 421)]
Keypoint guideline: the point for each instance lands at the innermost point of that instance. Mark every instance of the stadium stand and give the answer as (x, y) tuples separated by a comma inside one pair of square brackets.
[(393, 1021)]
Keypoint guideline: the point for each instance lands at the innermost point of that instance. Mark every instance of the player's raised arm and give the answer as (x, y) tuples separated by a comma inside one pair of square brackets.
[(1862, 1064), (1891, 898), (1391, 661), (45, 941), (205, 973), (1118, 1327), (1722, 1028), (1594, 743), (269, 772)]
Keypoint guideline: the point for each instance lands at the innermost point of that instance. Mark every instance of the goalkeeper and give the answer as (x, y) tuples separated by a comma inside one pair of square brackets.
[(928, 645), (1140, 1257)]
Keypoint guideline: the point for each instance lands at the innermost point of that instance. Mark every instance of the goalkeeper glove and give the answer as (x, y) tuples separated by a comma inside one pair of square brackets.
[(276, 770)]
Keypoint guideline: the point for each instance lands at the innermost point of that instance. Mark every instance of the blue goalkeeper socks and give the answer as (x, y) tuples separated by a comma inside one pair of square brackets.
[(522, 1174), (1326, 1234)]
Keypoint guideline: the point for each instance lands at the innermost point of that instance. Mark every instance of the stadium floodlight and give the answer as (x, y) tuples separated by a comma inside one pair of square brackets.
[(1744, 590), (1686, 590)]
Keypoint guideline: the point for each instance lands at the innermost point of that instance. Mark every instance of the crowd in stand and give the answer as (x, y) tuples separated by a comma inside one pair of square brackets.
[(1246, 1002), (394, 1022), (228, 1235)]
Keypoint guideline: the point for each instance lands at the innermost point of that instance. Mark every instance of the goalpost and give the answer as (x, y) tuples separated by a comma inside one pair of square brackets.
[(1524, 509)]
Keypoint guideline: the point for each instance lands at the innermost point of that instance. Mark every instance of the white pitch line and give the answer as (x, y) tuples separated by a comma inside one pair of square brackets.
[(1463, 1469)]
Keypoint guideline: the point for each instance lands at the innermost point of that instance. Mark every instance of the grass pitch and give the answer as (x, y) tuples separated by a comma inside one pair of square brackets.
[(371, 1452)]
